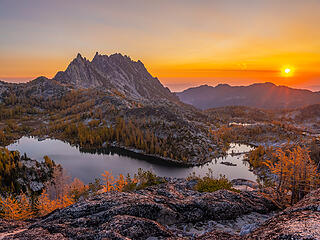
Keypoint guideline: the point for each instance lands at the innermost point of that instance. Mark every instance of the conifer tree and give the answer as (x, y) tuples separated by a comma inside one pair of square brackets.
[(16, 208), (109, 181), (297, 173)]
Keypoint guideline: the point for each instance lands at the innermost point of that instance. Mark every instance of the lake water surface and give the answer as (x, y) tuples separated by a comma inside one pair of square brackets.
[(88, 166)]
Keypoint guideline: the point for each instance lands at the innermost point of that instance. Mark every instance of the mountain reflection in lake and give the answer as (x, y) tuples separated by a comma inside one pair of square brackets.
[(90, 165)]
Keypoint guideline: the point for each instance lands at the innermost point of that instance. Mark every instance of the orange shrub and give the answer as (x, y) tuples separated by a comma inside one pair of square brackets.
[(13, 209)]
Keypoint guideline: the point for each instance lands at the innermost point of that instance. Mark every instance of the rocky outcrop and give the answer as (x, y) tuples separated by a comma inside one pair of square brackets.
[(300, 222), (40, 87), (167, 211), (30, 176), (218, 235), (174, 211)]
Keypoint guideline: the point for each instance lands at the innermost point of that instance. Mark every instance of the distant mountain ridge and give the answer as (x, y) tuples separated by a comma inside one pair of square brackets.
[(259, 95)]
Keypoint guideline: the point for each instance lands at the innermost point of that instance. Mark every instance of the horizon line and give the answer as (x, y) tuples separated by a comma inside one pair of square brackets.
[(190, 87)]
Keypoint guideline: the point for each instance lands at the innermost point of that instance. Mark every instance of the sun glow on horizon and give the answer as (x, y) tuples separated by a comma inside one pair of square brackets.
[(287, 71), (197, 42)]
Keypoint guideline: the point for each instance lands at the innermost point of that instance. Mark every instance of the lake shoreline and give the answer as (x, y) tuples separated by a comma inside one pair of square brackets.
[(135, 153), (124, 151), (141, 156), (89, 163)]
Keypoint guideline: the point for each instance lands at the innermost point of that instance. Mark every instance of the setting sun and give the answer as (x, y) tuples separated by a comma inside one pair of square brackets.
[(287, 71)]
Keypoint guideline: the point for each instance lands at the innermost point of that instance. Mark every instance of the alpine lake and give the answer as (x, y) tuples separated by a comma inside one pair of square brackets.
[(89, 165)]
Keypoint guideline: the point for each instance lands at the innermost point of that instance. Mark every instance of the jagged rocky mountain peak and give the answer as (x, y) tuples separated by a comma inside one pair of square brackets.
[(115, 71), (79, 59)]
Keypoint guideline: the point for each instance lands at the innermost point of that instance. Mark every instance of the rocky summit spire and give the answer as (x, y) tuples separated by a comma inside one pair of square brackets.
[(79, 73), (79, 56)]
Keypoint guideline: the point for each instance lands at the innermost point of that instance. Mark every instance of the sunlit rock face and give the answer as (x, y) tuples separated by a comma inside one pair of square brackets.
[(114, 72)]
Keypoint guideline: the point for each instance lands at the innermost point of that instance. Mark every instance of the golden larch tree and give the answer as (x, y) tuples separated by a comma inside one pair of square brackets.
[(109, 181), (296, 173), (16, 208)]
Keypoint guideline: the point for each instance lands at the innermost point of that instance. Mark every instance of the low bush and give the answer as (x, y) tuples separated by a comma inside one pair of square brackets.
[(211, 184), (147, 178), (142, 180), (139, 181)]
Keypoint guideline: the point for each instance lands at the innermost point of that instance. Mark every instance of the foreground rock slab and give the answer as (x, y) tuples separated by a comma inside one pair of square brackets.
[(156, 212), (152, 213)]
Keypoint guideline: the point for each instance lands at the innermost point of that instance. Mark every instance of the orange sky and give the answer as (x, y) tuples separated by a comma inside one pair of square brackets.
[(183, 43)]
